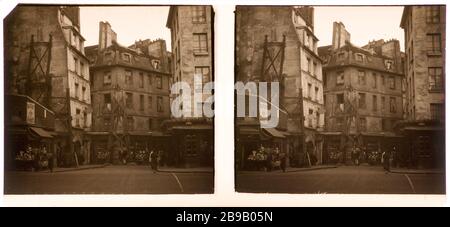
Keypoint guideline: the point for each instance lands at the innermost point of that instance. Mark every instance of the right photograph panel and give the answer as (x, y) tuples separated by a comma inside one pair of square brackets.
[(334, 99)]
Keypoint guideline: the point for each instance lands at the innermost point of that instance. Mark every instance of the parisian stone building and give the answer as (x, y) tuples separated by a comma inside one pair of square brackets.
[(278, 44), (424, 127), (192, 51), (45, 60), (130, 97), (363, 92)]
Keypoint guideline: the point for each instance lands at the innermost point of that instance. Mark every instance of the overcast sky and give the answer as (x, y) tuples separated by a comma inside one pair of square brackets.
[(139, 22), (363, 23), (130, 23)]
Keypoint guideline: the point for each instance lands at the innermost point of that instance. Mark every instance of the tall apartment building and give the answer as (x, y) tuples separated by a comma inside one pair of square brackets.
[(363, 89), (45, 60), (193, 51), (424, 29), (282, 38), (130, 96)]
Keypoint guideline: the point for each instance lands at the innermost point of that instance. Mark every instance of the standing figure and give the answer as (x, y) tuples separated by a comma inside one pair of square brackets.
[(357, 155), (283, 161), (50, 161), (385, 159), (154, 161)]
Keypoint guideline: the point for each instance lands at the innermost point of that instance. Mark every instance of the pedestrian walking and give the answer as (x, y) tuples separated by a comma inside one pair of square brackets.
[(50, 161), (357, 155), (154, 161), (283, 161), (269, 161), (385, 159)]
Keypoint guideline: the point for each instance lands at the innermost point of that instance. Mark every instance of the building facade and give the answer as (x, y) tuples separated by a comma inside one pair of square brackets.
[(363, 92), (45, 60), (424, 29), (281, 38), (192, 51), (130, 98)]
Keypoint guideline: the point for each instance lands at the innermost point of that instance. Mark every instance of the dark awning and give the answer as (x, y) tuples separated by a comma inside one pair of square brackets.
[(424, 128), (41, 132), (193, 127), (274, 132), (248, 131)]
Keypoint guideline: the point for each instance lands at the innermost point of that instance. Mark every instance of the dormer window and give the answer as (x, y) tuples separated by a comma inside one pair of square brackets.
[(359, 57), (155, 64), (126, 57), (108, 54), (388, 64)]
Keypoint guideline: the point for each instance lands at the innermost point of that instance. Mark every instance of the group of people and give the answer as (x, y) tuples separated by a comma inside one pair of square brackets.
[(35, 159), (386, 156), (267, 159)]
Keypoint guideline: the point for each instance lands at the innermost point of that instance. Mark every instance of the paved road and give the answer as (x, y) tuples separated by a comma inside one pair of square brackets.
[(109, 180), (347, 179)]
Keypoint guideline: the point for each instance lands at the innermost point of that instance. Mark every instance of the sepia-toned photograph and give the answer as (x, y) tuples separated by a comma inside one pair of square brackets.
[(340, 99), (109, 100)]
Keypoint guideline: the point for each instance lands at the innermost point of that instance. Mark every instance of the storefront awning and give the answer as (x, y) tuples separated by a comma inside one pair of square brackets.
[(140, 133), (98, 133), (193, 127), (331, 133), (159, 134), (41, 132), (424, 128), (274, 132), (248, 131)]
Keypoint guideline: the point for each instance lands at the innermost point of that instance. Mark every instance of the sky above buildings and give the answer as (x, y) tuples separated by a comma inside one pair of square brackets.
[(364, 23), (139, 22), (131, 23)]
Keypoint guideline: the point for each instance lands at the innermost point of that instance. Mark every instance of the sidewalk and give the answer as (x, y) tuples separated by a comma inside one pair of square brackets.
[(82, 167), (186, 170), (312, 168), (416, 171), (292, 169)]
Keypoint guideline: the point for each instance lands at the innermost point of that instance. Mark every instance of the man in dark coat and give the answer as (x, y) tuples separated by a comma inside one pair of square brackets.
[(51, 160), (386, 156), (154, 161)]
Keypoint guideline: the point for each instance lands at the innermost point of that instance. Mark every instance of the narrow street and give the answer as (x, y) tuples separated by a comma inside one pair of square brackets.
[(345, 179), (109, 180)]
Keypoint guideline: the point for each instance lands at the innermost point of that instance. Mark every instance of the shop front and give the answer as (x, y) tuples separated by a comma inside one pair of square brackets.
[(194, 147), (29, 140), (424, 144), (260, 148), (370, 147)]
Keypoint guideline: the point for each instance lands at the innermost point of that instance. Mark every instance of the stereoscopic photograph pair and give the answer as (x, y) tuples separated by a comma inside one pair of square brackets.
[(120, 99)]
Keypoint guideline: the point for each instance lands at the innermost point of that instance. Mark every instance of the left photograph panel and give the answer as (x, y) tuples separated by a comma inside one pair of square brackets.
[(109, 100)]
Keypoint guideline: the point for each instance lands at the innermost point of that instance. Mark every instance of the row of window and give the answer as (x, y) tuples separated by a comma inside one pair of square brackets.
[(198, 14), (312, 67), (386, 124), (200, 43), (82, 96), (316, 93), (107, 79), (359, 57), (79, 67), (79, 121), (311, 118), (340, 79), (435, 79), (433, 14), (152, 123), (130, 105), (126, 57), (362, 102), (198, 70)]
